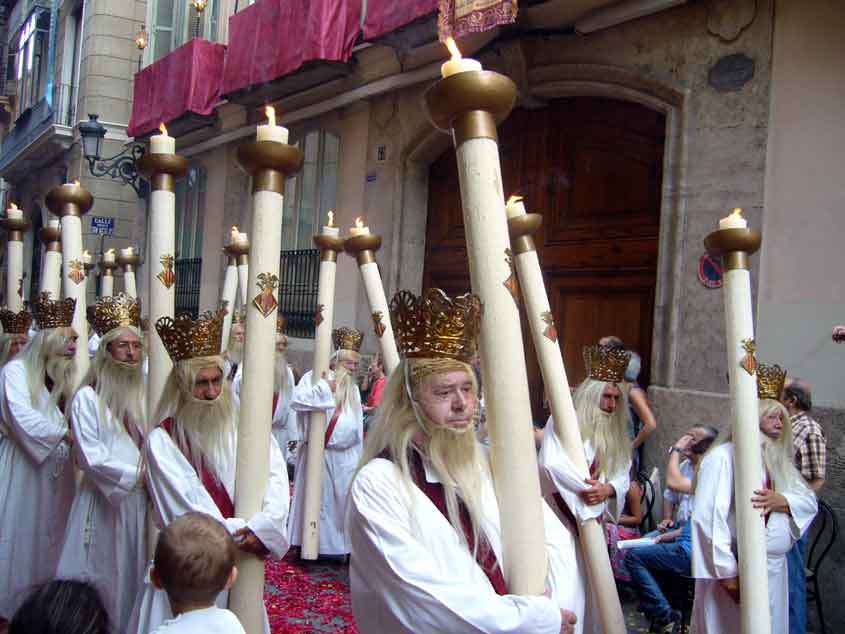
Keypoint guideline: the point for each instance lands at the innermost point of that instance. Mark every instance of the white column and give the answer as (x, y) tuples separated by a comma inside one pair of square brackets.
[(545, 338), (107, 283), (243, 278), (268, 162), (51, 262), (230, 289), (315, 448), (130, 286), (14, 273)]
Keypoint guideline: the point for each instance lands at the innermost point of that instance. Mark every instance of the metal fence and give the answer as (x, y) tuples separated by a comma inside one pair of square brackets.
[(299, 273), (188, 286)]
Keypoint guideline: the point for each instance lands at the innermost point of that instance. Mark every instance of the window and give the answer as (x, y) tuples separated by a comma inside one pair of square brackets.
[(190, 201), (66, 92), (175, 22), (312, 192), (31, 59)]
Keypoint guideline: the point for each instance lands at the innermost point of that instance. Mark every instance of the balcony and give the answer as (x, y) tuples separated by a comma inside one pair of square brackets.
[(181, 89)]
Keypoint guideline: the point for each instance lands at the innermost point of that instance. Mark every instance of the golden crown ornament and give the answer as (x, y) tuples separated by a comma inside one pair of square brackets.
[(115, 312), (434, 325), (606, 364), (49, 313), (15, 323), (187, 338), (347, 338), (770, 381)]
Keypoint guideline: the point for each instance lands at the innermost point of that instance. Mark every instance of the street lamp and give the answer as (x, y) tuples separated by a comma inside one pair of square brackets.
[(199, 6), (121, 166), (142, 40)]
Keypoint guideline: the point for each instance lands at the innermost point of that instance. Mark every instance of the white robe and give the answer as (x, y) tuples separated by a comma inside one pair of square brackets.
[(339, 463), (105, 541), (175, 489), (284, 417), (211, 620), (559, 475), (713, 530), (36, 487), (410, 573)]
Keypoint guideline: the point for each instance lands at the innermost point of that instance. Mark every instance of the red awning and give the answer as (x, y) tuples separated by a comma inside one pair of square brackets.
[(273, 38), (384, 16), (185, 81)]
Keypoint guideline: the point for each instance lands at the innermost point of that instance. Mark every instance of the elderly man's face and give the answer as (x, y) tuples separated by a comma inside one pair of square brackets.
[(69, 346), (609, 398), (17, 342), (127, 348), (208, 384), (350, 364), (771, 424), (237, 332), (448, 399), (281, 344)]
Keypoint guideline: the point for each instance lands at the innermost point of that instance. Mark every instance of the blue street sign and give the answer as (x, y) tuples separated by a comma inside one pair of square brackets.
[(102, 226)]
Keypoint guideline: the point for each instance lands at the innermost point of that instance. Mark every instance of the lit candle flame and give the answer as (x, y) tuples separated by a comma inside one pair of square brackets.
[(359, 223), (110, 252), (270, 111), (163, 128), (453, 49), (331, 219), (513, 199), (77, 183), (737, 212), (86, 254), (12, 206)]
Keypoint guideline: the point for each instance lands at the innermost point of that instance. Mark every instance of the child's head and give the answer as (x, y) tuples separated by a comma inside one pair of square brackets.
[(194, 560)]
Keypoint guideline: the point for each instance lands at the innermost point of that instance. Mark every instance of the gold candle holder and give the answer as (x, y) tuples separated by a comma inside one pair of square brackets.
[(363, 247), (51, 238), (69, 199), (733, 246), (128, 263), (238, 253), (15, 228), (162, 170), (329, 246)]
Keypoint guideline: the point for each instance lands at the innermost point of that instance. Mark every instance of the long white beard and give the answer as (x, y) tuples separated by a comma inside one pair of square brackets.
[(235, 351), (62, 373), (281, 382), (121, 388), (207, 431), (345, 393)]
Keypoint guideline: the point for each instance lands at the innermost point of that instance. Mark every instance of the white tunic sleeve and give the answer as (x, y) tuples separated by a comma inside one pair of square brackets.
[(270, 524), (399, 570), (711, 530), (309, 398), (38, 435), (173, 484), (803, 507), (114, 477), (564, 476), (621, 482)]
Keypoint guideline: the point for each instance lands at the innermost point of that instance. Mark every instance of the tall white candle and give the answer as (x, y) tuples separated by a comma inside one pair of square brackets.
[(270, 131), (230, 289), (14, 275), (162, 143), (457, 64)]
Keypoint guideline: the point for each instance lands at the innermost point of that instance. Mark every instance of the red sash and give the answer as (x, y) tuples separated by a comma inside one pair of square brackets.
[(330, 428), (485, 556), (275, 402), (767, 485), (210, 481)]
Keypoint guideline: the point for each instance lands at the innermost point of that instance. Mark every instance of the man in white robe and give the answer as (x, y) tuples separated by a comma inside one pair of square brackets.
[(284, 417), (337, 395), (105, 539), (234, 355), (423, 517), (788, 507), (36, 474), (603, 413), (191, 455)]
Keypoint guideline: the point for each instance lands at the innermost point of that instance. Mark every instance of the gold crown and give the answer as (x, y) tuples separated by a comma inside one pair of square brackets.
[(281, 324), (347, 338), (606, 364), (113, 312), (770, 381), (50, 313), (187, 338), (435, 325), (15, 323)]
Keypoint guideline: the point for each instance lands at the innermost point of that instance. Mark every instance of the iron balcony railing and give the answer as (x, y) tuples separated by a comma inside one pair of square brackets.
[(299, 273), (188, 272)]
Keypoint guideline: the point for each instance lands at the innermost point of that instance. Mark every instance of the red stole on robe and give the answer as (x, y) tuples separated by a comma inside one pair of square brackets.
[(210, 481), (485, 556), (767, 486)]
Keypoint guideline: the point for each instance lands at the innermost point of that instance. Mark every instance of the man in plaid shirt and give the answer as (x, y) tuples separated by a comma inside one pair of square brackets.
[(811, 460)]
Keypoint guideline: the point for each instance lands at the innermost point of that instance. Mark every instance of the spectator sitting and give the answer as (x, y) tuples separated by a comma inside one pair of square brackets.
[(627, 528), (194, 562), (62, 606), (671, 552)]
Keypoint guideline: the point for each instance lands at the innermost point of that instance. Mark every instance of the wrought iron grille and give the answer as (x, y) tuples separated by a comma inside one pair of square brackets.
[(299, 273), (188, 272)]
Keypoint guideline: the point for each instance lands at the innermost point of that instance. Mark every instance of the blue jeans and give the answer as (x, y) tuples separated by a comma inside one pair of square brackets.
[(797, 587), (672, 557)]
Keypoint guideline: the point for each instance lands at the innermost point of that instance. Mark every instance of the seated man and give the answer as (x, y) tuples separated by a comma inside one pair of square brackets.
[(671, 552), (423, 517)]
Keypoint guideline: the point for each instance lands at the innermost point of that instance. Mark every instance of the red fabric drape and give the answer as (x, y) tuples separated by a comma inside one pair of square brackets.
[(384, 16), (186, 80), (273, 38)]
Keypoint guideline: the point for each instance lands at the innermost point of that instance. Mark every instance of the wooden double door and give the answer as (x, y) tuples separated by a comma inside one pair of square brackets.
[(593, 169)]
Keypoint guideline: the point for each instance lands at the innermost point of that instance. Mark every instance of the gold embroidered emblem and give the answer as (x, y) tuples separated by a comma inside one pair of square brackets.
[(378, 326), (512, 283), (550, 332), (749, 361), (76, 274), (167, 276), (265, 301)]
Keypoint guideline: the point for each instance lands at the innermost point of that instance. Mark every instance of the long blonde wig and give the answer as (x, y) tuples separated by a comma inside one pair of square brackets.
[(778, 454), (607, 433), (42, 351)]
